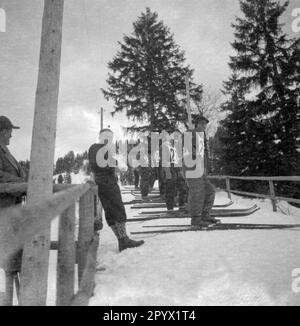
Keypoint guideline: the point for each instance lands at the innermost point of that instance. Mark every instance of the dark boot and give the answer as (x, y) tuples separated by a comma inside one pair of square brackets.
[(170, 213), (125, 242), (211, 220), (197, 221), (207, 218), (183, 209)]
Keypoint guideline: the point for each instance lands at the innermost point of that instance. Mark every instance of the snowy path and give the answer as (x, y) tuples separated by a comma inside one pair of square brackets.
[(204, 268)]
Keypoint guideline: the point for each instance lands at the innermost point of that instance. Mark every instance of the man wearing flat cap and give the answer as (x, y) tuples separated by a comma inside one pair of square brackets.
[(10, 169), (201, 191)]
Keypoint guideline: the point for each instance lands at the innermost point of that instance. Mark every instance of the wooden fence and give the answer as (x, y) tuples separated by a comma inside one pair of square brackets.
[(272, 195), (20, 223)]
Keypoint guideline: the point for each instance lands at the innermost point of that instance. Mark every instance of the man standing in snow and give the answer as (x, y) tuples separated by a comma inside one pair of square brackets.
[(175, 182), (201, 191), (136, 174), (147, 173), (108, 190), (60, 179)]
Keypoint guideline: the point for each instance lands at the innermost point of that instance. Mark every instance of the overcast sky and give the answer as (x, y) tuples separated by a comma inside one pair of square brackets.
[(91, 31)]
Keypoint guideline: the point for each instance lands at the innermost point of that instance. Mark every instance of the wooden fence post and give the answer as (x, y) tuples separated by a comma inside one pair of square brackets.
[(2, 287), (86, 229), (34, 273), (272, 194), (228, 188), (87, 282), (9, 288), (66, 258)]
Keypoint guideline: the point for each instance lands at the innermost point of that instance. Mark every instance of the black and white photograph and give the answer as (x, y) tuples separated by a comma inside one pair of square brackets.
[(149, 155)]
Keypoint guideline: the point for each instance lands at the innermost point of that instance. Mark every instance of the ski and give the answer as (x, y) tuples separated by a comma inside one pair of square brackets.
[(138, 193), (163, 205), (154, 196), (214, 213), (140, 201), (149, 205), (221, 227), (164, 211)]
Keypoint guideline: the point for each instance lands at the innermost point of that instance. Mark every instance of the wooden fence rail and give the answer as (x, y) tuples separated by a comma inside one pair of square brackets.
[(20, 223), (272, 195), (10, 188)]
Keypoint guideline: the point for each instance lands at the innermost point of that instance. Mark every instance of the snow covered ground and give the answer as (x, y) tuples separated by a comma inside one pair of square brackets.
[(239, 267), (252, 267)]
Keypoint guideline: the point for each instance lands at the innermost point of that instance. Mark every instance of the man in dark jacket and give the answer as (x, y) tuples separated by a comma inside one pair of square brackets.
[(60, 179), (201, 192), (10, 171), (174, 178), (109, 192)]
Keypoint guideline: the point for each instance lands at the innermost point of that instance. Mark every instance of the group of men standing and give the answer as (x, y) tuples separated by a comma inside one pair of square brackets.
[(194, 194), (195, 191)]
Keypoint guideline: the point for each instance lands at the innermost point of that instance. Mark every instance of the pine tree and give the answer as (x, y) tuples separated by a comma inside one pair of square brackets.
[(69, 160), (59, 166), (260, 133), (147, 76)]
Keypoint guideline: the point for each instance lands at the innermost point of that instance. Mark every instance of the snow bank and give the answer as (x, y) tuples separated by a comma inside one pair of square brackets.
[(240, 267)]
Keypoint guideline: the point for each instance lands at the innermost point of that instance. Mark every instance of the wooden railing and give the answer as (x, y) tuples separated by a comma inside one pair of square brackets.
[(272, 195), (20, 223)]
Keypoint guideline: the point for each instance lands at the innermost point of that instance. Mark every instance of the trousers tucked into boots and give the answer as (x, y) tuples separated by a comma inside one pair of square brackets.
[(110, 196), (176, 185), (201, 197), (125, 242)]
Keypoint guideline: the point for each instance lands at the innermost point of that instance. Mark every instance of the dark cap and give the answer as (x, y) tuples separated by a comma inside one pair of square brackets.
[(199, 118), (5, 123)]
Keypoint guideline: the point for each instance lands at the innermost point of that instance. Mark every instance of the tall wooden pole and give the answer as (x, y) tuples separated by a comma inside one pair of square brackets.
[(101, 120), (188, 101), (34, 274), (100, 112)]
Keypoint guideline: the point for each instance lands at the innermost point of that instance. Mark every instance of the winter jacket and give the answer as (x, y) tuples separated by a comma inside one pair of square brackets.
[(10, 171), (99, 172), (195, 155)]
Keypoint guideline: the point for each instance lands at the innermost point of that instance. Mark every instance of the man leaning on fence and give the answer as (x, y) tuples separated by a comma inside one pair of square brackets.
[(10, 171), (109, 192)]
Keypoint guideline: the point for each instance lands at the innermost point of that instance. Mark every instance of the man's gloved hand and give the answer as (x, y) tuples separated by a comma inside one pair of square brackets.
[(98, 224)]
